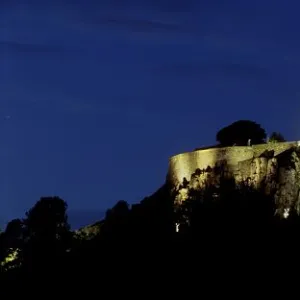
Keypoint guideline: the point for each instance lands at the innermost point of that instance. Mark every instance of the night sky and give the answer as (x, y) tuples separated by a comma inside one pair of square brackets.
[(96, 95)]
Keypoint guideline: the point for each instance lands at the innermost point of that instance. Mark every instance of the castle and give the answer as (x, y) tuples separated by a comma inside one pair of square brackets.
[(275, 165)]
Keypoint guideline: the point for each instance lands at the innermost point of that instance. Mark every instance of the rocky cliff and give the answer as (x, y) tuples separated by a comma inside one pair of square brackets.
[(273, 168)]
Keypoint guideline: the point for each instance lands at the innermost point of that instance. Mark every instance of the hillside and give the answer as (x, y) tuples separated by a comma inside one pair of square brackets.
[(250, 198)]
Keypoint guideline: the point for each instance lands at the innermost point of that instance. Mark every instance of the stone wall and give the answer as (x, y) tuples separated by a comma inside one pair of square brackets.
[(273, 167), (184, 165)]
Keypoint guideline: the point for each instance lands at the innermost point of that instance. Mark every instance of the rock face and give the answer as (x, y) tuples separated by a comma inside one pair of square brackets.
[(275, 168)]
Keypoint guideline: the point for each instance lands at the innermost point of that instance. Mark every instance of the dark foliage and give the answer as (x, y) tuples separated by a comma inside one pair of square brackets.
[(240, 132), (134, 242), (276, 137)]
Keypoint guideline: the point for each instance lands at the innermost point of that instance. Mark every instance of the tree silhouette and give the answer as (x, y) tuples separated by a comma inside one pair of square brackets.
[(47, 220), (240, 132), (14, 233), (276, 137), (116, 223), (239, 211), (14, 229), (47, 233)]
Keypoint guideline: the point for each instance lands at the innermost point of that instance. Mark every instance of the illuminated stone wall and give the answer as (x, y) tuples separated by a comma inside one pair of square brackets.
[(184, 164)]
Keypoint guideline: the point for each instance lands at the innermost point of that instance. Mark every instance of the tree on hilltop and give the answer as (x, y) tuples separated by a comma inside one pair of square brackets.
[(276, 137), (240, 133)]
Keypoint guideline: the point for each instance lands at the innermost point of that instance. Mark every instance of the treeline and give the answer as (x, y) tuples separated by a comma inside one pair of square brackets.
[(42, 242), (141, 236)]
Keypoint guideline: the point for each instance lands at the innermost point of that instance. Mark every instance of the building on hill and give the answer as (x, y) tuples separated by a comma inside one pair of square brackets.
[(269, 165)]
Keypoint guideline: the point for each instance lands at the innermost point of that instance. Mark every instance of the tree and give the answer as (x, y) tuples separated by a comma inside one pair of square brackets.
[(47, 220), (47, 233), (276, 137), (240, 132), (11, 243), (116, 224), (14, 229)]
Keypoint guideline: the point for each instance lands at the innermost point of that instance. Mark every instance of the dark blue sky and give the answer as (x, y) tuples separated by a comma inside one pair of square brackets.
[(96, 95)]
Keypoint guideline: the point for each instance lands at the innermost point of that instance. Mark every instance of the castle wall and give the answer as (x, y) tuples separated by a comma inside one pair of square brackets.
[(277, 147), (184, 164)]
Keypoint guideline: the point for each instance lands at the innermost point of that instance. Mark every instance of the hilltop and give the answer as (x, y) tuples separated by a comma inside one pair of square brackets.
[(213, 198)]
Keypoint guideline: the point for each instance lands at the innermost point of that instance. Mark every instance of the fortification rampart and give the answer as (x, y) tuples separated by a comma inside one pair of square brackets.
[(184, 165)]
